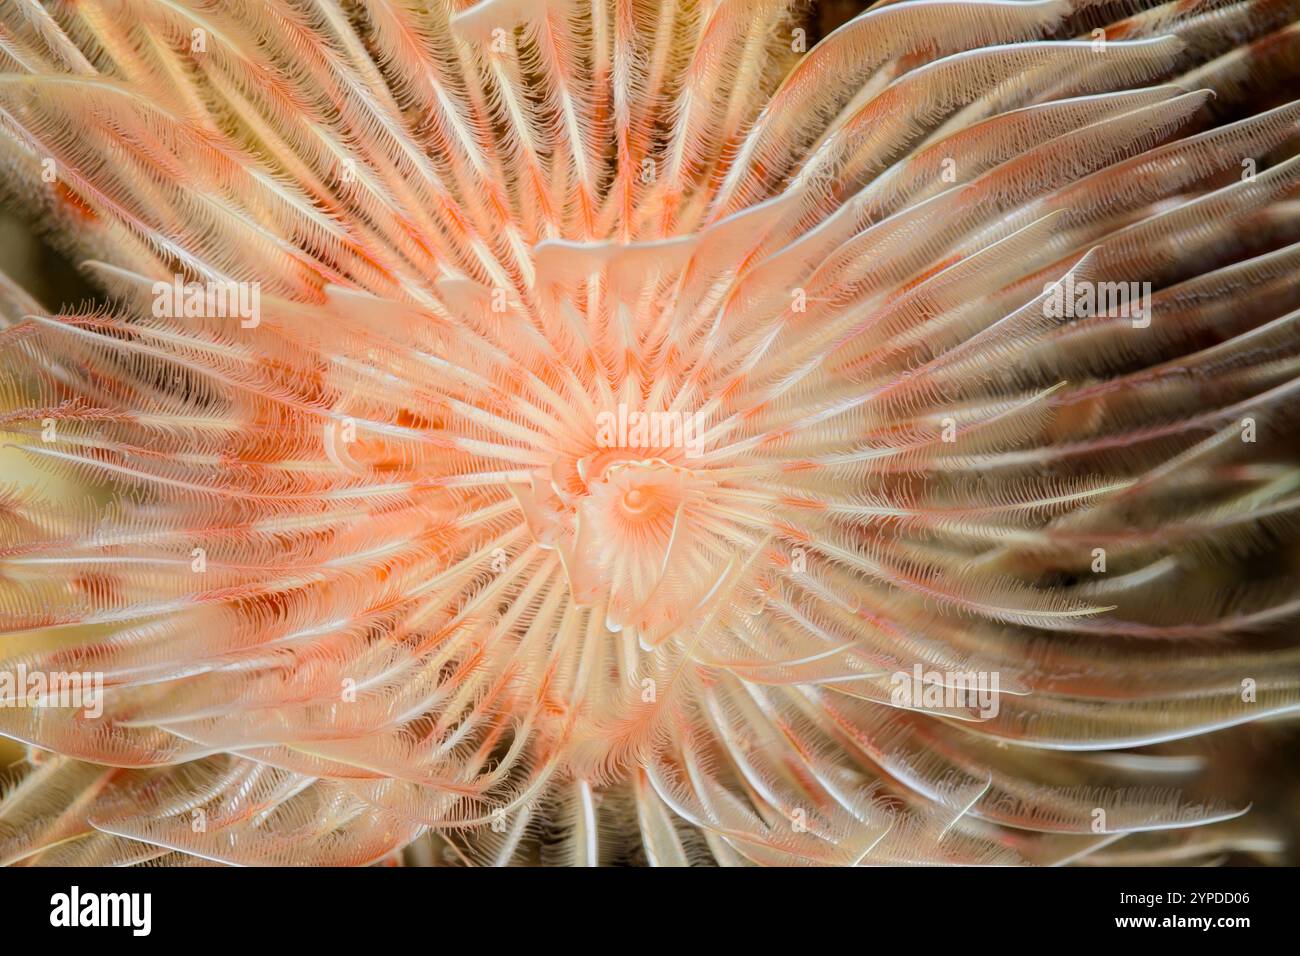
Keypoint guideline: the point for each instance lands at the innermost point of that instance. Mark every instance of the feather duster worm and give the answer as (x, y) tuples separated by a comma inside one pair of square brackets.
[(623, 431)]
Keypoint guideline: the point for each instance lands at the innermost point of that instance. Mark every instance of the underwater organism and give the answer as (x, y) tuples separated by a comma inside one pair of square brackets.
[(614, 431)]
